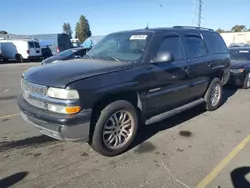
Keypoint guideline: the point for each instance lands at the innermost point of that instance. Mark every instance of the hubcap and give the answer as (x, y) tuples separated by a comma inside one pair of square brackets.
[(118, 129), (215, 94), (248, 80)]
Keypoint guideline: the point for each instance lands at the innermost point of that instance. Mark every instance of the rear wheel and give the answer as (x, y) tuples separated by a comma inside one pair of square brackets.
[(213, 95), (115, 128), (19, 58), (247, 81)]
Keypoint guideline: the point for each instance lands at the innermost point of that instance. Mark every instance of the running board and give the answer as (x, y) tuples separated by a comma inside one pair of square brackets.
[(173, 112)]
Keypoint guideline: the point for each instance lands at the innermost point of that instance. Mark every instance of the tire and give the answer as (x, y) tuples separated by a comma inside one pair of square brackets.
[(247, 81), (214, 90), (102, 144), (5, 60), (19, 58)]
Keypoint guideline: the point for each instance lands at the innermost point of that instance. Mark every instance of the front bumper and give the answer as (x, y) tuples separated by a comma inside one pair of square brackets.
[(236, 79), (61, 127)]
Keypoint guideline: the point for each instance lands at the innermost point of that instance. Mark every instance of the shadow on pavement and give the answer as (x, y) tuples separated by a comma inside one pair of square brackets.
[(228, 91), (37, 141), (13, 179), (150, 130), (238, 177)]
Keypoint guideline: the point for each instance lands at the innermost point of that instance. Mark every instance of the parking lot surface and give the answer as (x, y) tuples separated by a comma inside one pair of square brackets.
[(192, 149)]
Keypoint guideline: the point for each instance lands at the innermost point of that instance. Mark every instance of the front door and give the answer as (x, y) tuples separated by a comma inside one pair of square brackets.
[(168, 82)]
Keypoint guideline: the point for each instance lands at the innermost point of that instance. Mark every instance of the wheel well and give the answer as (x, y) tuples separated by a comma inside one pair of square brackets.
[(219, 74), (129, 96)]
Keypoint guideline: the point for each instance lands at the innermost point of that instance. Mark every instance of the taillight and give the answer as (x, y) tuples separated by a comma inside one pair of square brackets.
[(57, 50), (28, 51)]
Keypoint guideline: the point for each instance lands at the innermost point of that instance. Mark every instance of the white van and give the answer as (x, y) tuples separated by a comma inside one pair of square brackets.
[(20, 50)]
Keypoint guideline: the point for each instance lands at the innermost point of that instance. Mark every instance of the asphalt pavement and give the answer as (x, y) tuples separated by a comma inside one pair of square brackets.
[(192, 149)]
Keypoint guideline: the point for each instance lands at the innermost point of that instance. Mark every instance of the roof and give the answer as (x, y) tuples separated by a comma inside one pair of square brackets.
[(162, 29)]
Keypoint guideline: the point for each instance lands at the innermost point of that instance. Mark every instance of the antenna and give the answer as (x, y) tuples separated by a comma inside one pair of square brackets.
[(147, 26), (200, 13)]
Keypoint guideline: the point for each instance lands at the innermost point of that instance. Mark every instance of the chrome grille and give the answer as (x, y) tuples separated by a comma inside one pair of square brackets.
[(33, 93), (33, 88)]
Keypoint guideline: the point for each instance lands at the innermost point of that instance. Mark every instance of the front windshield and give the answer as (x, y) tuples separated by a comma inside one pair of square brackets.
[(127, 47), (66, 53), (240, 54)]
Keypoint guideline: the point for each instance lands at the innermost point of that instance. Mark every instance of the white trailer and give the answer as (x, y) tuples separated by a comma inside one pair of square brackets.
[(236, 37)]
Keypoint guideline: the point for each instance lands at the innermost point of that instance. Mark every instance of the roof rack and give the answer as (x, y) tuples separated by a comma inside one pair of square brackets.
[(193, 27)]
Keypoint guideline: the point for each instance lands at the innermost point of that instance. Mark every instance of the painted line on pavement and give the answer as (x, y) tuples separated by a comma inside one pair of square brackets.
[(8, 116), (223, 163)]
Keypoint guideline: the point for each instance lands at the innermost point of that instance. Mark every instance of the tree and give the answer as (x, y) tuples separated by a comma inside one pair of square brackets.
[(3, 32), (82, 30), (67, 29), (220, 30), (239, 28)]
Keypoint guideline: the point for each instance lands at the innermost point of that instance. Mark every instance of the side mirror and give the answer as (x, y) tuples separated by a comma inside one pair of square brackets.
[(164, 57)]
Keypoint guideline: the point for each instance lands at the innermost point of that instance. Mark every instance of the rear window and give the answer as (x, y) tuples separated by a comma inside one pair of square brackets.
[(242, 54), (31, 45), (37, 45), (216, 42)]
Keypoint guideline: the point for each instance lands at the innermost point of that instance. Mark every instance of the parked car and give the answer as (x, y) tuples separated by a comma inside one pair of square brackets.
[(75, 43), (91, 41), (73, 53), (240, 67), (20, 50), (129, 78), (46, 52)]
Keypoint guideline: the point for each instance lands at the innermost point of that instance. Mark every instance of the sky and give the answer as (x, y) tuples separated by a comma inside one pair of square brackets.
[(106, 16)]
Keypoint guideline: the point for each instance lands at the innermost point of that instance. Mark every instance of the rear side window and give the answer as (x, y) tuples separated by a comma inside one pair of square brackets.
[(172, 44), (196, 46), (31, 45), (37, 45), (215, 42)]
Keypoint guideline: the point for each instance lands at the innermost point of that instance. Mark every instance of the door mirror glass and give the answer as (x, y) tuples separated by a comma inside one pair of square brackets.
[(164, 57)]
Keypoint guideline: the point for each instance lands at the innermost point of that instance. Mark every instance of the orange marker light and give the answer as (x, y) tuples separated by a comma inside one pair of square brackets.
[(72, 109)]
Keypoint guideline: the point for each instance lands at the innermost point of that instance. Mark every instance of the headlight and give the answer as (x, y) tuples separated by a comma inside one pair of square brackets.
[(237, 70), (55, 61), (62, 93)]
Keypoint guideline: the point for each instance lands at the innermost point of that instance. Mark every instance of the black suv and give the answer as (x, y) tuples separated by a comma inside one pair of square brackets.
[(128, 79)]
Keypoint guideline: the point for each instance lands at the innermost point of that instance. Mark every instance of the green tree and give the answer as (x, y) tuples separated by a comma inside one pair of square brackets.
[(239, 28), (67, 29), (82, 30), (220, 30)]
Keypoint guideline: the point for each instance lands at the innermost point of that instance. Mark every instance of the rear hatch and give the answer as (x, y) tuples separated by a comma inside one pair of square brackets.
[(34, 49)]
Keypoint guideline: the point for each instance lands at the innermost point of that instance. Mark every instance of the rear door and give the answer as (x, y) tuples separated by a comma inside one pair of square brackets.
[(168, 83), (38, 49), (199, 63), (31, 48)]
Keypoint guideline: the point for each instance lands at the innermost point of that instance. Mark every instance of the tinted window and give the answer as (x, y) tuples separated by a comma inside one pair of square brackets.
[(196, 46), (64, 42), (172, 44), (216, 43), (240, 54), (37, 45), (31, 44)]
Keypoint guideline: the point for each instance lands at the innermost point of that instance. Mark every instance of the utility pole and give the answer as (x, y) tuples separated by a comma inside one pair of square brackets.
[(200, 13)]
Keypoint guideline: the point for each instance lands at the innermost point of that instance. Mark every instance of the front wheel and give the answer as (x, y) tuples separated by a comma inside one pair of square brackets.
[(213, 95), (247, 81), (115, 129)]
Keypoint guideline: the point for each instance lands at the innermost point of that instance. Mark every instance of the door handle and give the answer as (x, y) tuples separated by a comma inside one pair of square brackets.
[(209, 64)]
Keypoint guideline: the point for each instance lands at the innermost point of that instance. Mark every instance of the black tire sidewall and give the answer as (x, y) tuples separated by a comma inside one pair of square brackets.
[(97, 137), (19, 58), (209, 106)]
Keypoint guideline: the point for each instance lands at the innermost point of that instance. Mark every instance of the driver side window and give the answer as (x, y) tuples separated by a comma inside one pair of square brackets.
[(172, 44)]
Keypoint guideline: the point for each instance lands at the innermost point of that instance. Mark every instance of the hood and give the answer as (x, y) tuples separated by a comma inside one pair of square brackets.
[(52, 58), (237, 64), (61, 74)]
